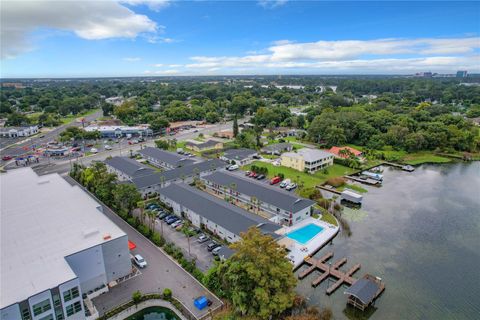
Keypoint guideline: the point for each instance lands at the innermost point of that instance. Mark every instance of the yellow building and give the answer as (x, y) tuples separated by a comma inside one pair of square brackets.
[(202, 146), (309, 160)]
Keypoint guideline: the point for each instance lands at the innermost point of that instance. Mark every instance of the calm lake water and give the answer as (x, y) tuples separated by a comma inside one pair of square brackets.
[(419, 232)]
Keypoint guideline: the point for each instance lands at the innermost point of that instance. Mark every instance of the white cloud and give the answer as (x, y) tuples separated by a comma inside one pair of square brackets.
[(162, 72), (91, 20), (270, 4), (157, 39), (382, 55), (154, 5), (158, 65), (132, 59)]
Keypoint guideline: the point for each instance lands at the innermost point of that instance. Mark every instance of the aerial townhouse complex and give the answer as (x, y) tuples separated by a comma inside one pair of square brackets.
[(57, 247), (281, 206), (225, 220), (127, 169)]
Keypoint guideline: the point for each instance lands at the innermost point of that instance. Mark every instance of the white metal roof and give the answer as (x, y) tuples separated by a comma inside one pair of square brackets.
[(309, 155), (43, 220)]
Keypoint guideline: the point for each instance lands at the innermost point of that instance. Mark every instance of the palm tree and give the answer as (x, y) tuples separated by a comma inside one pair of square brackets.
[(151, 218)]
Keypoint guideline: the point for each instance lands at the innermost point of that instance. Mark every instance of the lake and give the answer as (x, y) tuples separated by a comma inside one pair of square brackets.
[(419, 232)]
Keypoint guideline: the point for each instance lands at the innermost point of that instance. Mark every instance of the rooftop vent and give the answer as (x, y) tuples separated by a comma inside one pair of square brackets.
[(43, 182), (107, 236), (90, 232)]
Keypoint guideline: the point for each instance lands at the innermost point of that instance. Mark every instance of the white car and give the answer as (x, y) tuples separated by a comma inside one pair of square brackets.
[(139, 261), (108, 147), (233, 167), (93, 150), (176, 224), (285, 183), (291, 186)]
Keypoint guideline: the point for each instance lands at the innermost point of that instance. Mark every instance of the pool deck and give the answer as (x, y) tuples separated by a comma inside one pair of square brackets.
[(298, 252)]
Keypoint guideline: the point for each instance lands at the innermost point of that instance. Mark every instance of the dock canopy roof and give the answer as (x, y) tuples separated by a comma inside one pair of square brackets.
[(364, 290)]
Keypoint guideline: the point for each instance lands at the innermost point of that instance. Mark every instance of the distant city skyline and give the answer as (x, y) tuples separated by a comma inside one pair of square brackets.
[(73, 38)]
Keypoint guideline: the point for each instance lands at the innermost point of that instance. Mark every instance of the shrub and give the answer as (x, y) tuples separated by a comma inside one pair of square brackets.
[(167, 293), (136, 297), (144, 230), (336, 182), (158, 239)]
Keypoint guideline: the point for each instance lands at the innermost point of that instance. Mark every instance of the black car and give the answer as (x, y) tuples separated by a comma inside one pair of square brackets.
[(212, 245), (162, 215), (260, 177)]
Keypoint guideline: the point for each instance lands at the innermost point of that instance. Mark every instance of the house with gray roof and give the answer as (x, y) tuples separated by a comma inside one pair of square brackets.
[(150, 184), (277, 148), (240, 156), (224, 219), (164, 159), (287, 208), (205, 145), (127, 169)]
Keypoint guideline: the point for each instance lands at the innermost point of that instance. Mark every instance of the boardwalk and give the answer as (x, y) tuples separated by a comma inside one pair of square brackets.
[(330, 270)]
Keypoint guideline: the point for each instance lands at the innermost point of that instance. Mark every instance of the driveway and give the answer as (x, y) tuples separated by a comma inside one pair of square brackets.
[(162, 272)]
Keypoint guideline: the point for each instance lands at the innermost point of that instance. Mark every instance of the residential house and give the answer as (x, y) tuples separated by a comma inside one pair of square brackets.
[(345, 152), (240, 156), (16, 132), (307, 160), (277, 148), (203, 146)]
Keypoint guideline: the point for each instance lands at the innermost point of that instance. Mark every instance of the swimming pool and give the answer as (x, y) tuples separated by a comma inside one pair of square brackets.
[(306, 233)]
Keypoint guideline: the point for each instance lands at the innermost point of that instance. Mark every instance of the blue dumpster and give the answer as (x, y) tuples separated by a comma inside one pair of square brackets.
[(200, 302)]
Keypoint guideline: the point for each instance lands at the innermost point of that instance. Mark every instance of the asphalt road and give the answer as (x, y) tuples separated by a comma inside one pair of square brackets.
[(162, 272), (18, 149)]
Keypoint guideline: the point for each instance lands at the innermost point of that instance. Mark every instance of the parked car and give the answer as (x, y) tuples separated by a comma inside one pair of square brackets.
[(253, 175), (247, 173), (260, 177), (212, 245), (256, 157), (193, 229), (233, 167), (275, 180), (152, 206), (285, 183), (139, 261), (176, 223), (291, 186), (6, 158), (108, 147), (179, 227), (171, 220), (202, 238), (94, 150), (216, 250), (162, 215)]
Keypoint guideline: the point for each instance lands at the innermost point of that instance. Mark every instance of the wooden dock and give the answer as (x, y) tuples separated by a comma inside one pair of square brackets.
[(332, 190), (329, 270), (370, 182)]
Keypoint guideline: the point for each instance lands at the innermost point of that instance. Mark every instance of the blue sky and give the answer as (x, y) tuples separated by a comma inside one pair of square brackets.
[(71, 38)]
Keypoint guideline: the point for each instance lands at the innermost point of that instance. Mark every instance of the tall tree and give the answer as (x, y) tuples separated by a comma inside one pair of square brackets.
[(235, 126), (258, 278)]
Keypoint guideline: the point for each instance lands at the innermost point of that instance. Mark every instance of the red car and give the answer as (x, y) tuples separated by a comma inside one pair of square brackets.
[(6, 158), (275, 180)]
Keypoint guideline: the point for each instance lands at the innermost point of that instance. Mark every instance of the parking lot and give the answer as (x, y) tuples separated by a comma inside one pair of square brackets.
[(198, 251)]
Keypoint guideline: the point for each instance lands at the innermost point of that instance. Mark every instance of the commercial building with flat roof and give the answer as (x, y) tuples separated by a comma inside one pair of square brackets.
[(220, 217), (151, 184), (164, 159), (126, 169), (205, 145), (55, 245), (286, 207)]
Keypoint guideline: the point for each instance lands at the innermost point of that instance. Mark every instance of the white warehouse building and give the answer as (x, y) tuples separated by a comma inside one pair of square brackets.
[(56, 245)]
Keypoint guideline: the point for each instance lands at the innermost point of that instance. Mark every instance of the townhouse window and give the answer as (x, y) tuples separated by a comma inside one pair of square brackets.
[(49, 317), (56, 300), (41, 307), (26, 314), (73, 308), (71, 294)]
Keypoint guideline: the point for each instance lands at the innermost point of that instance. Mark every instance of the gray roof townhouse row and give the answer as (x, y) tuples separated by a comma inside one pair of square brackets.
[(129, 167), (265, 193), (170, 158), (226, 215), (178, 173)]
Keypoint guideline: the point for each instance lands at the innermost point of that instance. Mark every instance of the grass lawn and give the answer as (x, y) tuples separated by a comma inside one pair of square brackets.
[(308, 180), (71, 117), (420, 157), (354, 187), (329, 218)]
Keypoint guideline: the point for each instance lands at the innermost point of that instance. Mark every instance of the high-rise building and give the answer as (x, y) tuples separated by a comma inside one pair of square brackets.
[(462, 74)]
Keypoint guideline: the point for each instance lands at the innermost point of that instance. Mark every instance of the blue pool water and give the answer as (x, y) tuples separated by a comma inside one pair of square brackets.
[(305, 234)]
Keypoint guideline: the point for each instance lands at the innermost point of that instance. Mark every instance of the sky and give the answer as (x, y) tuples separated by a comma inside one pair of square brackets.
[(109, 38)]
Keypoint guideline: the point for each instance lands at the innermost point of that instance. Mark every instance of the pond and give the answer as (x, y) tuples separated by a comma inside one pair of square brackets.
[(419, 232), (154, 313)]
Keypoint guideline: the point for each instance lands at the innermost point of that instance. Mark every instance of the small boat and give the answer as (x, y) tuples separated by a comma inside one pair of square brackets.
[(408, 168)]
